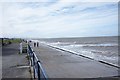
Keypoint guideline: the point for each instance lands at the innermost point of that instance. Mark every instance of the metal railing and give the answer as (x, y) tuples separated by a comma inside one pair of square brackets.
[(38, 71)]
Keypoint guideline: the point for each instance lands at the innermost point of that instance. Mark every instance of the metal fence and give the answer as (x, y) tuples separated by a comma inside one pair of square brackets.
[(38, 71)]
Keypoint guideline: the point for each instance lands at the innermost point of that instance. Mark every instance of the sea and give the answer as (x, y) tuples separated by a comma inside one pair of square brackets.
[(98, 48)]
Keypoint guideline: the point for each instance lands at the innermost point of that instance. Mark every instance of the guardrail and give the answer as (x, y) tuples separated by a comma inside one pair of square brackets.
[(38, 71)]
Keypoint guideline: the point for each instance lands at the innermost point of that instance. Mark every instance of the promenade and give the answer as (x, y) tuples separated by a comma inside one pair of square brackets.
[(61, 64), (14, 65)]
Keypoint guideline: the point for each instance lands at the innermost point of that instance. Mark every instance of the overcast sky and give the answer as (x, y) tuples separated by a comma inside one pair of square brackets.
[(59, 19)]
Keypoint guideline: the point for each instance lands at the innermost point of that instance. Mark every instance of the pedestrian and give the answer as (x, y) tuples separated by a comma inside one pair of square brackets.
[(37, 44), (34, 44)]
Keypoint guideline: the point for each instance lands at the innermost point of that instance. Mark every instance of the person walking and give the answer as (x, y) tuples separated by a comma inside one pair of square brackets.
[(34, 44), (37, 44)]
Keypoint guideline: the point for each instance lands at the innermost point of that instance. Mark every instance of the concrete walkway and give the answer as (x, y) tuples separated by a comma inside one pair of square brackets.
[(61, 64), (14, 65)]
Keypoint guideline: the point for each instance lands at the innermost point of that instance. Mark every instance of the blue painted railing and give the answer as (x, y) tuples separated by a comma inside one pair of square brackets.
[(38, 71)]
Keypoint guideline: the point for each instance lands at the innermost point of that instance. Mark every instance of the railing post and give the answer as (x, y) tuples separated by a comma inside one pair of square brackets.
[(27, 48), (30, 59), (29, 54), (33, 64), (38, 70)]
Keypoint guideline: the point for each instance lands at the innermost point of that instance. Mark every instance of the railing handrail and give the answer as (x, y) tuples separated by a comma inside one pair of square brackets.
[(39, 67), (35, 56), (42, 70)]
